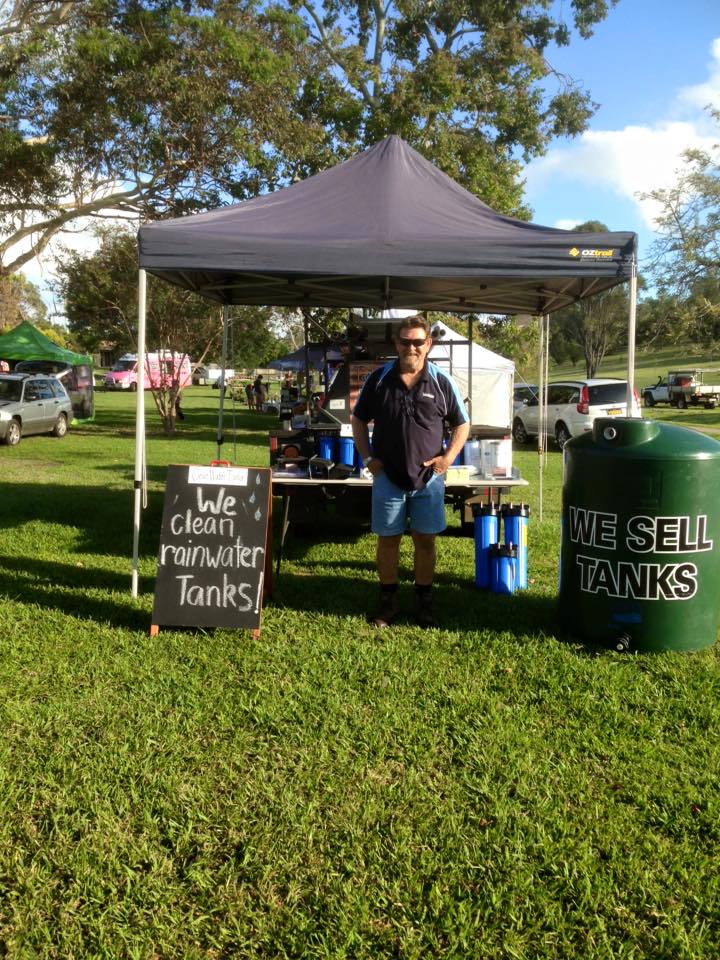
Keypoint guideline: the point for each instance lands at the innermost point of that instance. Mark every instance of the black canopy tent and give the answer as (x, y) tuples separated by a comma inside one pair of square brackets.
[(385, 229)]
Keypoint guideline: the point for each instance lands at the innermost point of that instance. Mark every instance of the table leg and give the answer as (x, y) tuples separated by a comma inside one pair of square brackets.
[(285, 523)]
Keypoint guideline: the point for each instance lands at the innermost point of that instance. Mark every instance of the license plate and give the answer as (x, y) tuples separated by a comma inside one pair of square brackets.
[(615, 412)]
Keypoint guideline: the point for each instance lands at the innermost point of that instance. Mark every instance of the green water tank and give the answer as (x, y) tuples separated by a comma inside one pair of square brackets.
[(640, 541)]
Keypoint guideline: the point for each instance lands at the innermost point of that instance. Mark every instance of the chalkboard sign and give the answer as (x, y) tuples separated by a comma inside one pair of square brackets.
[(213, 547)]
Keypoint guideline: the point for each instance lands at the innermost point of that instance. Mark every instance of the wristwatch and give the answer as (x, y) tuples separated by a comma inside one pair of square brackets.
[(366, 460)]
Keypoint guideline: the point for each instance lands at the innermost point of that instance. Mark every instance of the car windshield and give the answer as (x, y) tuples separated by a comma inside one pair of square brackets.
[(602, 393), (10, 390), (124, 365)]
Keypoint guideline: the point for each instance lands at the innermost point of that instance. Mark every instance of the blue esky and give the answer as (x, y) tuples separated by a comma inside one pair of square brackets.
[(652, 65)]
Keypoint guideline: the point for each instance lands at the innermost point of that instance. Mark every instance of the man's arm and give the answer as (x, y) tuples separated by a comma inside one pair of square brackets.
[(457, 441), (361, 436)]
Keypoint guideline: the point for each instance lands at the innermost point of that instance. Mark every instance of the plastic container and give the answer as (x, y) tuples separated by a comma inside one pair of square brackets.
[(640, 557), (346, 451), (486, 536), (515, 522), (472, 455), (496, 457), (503, 568), (326, 445)]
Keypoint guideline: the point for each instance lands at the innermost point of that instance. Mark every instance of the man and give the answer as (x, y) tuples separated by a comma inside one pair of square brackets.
[(259, 392), (410, 400)]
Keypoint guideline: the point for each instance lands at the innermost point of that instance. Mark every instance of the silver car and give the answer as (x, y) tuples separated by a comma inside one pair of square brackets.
[(32, 404)]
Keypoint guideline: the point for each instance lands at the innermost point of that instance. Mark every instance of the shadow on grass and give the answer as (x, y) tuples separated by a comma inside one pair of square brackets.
[(103, 516), (75, 591)]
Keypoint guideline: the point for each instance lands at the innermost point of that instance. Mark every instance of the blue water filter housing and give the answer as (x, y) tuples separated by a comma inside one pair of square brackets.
[(503, 568), (327, 446), (346, 451), (486, 523), (516, 518)]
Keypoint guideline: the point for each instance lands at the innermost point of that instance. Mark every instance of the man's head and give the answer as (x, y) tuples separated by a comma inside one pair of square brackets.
[(413, 342)]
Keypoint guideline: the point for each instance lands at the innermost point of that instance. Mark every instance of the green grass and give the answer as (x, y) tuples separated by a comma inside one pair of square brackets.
[(487, 790)]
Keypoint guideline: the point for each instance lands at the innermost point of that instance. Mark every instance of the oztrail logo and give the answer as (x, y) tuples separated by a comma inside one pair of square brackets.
[(590, 254)]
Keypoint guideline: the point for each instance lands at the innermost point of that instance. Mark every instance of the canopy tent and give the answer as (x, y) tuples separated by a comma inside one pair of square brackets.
[(26, 342), (317, 357), (478, 373), (383, 229)]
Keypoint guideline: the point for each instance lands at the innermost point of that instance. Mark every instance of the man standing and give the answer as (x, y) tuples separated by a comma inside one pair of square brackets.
[(259, 392), (410, 400)]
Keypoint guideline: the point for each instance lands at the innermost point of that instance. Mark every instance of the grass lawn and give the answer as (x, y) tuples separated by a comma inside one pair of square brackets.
[(487, 790)]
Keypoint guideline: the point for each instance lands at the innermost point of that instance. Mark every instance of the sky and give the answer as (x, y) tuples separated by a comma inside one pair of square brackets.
[(653, 66)]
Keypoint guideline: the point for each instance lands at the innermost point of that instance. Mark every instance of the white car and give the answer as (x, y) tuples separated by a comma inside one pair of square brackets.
[(572, 406)]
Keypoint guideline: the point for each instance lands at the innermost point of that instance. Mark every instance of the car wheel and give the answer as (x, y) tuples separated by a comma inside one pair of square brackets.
[(648, 400), (682, 403), (562, 435), (520, 434), (14, 432), (60, 428), (133, 387)]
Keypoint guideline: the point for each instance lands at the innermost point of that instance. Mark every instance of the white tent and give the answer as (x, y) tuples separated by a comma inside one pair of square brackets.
[(491, 386)]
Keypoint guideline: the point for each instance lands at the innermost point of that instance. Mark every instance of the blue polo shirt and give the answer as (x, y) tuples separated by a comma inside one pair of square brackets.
[(409, 424)]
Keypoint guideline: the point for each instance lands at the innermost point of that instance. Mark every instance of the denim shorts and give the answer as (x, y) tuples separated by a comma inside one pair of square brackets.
[(392, 507)]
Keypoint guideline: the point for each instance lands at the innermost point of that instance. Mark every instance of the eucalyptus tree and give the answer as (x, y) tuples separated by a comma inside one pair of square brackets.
[(469, 83), (143, 108)]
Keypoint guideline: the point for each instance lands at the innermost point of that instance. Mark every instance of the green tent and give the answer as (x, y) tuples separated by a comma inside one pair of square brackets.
[(26, 342)]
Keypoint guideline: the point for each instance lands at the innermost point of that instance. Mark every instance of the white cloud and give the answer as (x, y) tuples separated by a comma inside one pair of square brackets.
[(637, 159), (703, 94), (630, 161)]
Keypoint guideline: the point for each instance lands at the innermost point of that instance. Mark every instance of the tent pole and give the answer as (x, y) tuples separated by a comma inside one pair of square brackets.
[(306, 332), (220, 438), (139, 428), (632, 314), (470, 368), (541, 408)]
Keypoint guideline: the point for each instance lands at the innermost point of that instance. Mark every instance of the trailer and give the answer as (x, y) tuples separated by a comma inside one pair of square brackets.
[(684, 388)]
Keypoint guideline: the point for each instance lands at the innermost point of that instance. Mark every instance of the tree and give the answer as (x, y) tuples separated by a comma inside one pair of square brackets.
[(20, 300), (467, 83), (144, 108), (254, 344), (685, 260), (511, 338), (592, 326), (164, 107), (100, 294), (688, 248)]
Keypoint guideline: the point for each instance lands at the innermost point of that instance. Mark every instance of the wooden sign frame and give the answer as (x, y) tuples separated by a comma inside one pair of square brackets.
[(215, 553)]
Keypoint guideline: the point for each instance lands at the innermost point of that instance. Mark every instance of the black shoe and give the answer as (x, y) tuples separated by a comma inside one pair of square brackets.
[(387, 610), (424, 614)]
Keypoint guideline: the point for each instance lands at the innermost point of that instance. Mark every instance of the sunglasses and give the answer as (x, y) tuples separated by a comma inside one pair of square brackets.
[(410, 342)]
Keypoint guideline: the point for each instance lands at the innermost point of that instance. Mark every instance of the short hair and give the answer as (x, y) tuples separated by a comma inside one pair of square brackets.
[(417, 321)]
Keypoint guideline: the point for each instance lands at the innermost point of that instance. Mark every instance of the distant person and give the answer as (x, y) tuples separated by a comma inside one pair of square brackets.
[(179, 414), (259, 391), (249, 395), (4, 366)]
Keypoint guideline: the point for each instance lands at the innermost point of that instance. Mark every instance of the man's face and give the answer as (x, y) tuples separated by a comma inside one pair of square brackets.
[(412, 345)]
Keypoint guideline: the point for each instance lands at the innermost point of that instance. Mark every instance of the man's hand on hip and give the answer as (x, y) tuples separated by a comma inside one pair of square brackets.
[(439, 464)]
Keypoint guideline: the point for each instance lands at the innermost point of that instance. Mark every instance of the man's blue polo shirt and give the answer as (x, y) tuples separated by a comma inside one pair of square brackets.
[(409, 424)]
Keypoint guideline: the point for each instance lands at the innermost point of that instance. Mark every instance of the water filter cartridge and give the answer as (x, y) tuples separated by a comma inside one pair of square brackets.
[(486, 535), (515, 522), (503, 566)]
